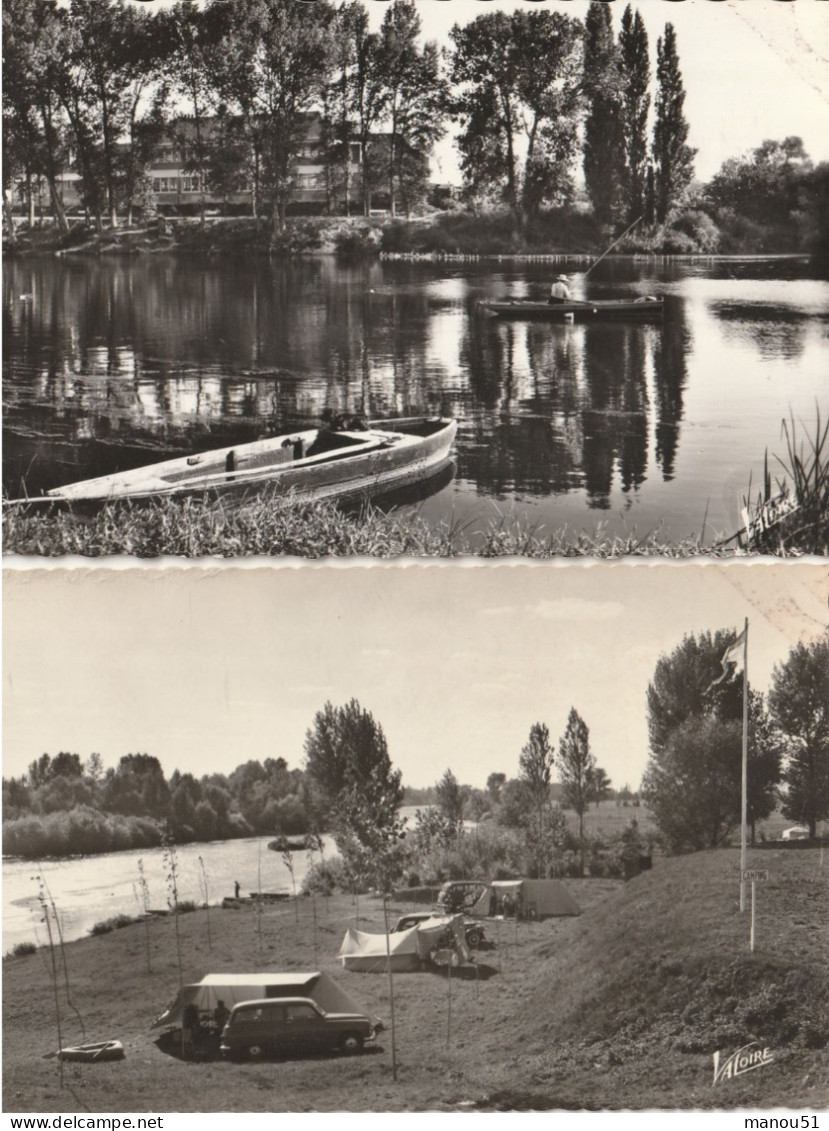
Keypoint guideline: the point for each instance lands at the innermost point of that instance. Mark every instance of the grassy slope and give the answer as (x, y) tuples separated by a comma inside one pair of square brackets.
[(621, 1008)]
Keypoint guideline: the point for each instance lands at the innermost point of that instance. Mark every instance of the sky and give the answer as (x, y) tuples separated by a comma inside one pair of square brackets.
[(752, 69), (207, 667)]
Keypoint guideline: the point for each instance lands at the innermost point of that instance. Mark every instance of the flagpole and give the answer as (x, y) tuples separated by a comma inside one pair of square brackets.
[(745, 771)]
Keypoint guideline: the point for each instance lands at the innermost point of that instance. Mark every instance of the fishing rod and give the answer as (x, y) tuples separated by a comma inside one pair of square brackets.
[(617, 240)]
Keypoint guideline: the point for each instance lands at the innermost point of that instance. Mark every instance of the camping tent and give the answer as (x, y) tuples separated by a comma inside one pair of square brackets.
[(531, 899), (405, 950), (233, 988)]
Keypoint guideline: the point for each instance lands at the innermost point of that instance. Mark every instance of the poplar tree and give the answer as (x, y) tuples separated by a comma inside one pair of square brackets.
[(673, 159), (577, 769), (635, 67), (536, 768), (603, 130)]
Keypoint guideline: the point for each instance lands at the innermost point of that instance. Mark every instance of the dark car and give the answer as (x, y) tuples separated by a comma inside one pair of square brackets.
[(293, 1026)]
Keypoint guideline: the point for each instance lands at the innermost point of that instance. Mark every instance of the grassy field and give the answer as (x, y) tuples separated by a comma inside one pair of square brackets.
[(622, 1007)]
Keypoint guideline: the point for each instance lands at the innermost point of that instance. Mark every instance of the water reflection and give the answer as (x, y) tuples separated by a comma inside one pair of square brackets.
[(112, 364)]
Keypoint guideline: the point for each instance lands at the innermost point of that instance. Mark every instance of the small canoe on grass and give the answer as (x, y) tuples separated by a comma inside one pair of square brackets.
[(634, 310), (316, 464), (103, 1050)]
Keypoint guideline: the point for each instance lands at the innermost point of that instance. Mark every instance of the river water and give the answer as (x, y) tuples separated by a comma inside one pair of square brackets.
[(113, 363), (88, 889)]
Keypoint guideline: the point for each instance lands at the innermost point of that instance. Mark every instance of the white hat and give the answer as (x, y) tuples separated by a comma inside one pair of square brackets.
[(562, 279)]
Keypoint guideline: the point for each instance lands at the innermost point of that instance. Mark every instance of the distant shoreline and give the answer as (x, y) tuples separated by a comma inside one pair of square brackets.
[(450, 236)]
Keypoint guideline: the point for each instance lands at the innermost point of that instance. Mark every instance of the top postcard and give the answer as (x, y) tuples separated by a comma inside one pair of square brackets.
[(524, 277)]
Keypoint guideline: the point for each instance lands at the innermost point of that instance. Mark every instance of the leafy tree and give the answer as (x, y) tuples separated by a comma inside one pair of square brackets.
[(695, 712), (514, 805), (600, 785), (46, 768), (576, 768), (366, 97), (693, 786), (764, 189), (684, 686), (94, 767), (17, 797), (350, 24), (137, 786), (190, 37), (673, 159), (34, 130), (450, 802), (414, 94), (635, 68), (274, 63), (108, 70), (476, 803), (346, 752), (799, 707), (603, 131), (814, 195), (763, 765), (517, 80), (494, 785), (185, 795)]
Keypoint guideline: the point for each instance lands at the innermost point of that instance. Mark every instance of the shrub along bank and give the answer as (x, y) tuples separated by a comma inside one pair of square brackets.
[(696, 230)]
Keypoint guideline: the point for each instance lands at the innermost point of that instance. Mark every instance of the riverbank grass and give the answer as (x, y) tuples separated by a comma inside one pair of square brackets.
[(265, 525)]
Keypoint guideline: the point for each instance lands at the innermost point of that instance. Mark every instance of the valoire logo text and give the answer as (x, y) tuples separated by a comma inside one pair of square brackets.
[(743, 1060)]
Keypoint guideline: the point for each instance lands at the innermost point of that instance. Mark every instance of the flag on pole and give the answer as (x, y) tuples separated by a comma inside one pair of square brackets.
[(732, 660)]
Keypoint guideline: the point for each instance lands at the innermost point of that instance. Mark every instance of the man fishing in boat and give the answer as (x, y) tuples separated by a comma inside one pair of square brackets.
[(559, 291)]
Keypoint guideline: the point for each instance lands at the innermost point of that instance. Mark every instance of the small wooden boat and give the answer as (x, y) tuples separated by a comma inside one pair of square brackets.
[(638, 309), (103, 1050), (319, 464)]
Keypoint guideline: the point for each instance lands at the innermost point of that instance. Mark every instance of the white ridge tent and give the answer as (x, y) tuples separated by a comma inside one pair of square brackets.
[(405, 950), (233, 988)]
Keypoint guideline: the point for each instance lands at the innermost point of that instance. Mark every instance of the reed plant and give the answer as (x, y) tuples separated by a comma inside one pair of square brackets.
[(170, 859), (804, 489), (205, 891), (144, 900)]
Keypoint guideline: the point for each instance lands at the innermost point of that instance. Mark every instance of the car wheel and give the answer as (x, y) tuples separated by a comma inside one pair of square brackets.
[(254, 1052), (474, 939), (351, 1043)]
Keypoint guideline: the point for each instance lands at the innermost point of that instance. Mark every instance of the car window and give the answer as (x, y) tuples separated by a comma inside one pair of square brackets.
[(300, 1012), (269, 1013)]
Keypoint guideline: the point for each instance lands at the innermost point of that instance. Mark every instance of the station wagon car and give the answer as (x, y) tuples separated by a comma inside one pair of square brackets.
[(292, 1027)]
